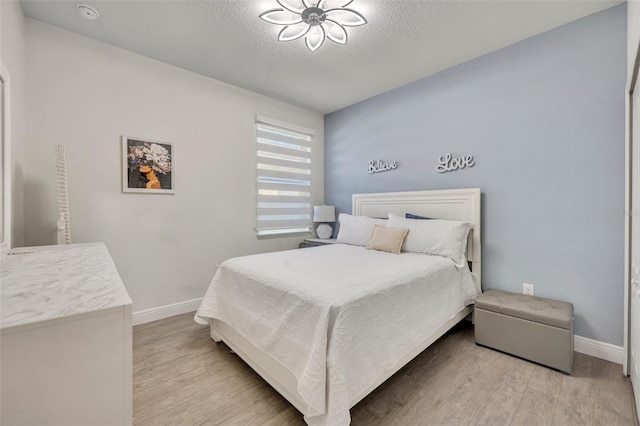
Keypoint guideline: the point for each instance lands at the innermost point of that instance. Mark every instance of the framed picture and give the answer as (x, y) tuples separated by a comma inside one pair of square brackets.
[(147, 166)]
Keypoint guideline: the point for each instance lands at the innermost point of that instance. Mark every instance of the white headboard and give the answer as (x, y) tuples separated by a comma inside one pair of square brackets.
[(452, 204)]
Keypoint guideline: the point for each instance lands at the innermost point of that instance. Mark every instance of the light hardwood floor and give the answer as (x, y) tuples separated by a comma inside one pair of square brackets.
[(182, 377)]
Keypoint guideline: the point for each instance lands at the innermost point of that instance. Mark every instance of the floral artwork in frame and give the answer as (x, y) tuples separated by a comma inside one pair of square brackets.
[(147, 166)]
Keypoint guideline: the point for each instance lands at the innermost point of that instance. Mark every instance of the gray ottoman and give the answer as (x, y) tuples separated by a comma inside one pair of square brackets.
[(534, 328)]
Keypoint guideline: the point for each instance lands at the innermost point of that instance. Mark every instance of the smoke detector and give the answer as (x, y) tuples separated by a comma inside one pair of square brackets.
[(88, 12)]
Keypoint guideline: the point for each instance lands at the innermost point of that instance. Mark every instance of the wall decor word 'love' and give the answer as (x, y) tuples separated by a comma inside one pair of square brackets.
[(381, 166), (448, 163)]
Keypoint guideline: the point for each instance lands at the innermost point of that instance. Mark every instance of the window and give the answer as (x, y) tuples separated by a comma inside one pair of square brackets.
[(283, 173)]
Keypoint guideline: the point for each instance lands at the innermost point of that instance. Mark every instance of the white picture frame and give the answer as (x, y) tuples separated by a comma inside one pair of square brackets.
[(147, 166)]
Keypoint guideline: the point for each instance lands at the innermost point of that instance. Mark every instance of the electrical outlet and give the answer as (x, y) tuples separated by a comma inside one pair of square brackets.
[(527, 289)]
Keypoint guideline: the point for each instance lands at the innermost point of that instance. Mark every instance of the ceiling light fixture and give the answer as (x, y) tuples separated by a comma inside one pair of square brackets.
[(88, 12), (314, 21)]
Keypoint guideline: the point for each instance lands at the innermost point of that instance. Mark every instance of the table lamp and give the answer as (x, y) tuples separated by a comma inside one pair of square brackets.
[(324, 214)]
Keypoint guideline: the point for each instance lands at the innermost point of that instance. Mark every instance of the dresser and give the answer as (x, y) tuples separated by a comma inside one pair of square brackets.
[(65, 338)]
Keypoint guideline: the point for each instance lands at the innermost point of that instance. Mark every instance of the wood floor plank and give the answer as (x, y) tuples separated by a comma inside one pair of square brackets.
[(290, 416), (169, 382), (160, 404), (613, 395), (437, 379), (263, 402), (146, 376), (402, 390), (199, 395), (577, 394), (539, 399), (504, 397), (173, 348), (182, 377), (463, 404), (144, 336)]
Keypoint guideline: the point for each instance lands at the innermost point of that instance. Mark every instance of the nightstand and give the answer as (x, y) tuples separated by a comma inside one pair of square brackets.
[(315, 242)]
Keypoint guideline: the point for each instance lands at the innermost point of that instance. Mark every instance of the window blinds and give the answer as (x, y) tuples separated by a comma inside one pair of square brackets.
[(283, 166)]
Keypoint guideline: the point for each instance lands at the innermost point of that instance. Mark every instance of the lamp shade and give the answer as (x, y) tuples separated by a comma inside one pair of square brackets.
[(324, 213)]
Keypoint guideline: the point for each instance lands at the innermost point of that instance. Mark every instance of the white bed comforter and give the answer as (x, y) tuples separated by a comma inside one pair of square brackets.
[(337, 315)]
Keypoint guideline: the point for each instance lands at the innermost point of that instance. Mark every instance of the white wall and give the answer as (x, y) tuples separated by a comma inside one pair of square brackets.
[(12, 44), (85, 95)]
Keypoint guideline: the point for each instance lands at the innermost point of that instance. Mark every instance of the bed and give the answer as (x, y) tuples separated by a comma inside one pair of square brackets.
[(327, 325)]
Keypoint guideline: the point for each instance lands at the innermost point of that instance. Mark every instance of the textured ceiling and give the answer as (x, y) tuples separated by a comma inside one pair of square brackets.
[(403, 41)]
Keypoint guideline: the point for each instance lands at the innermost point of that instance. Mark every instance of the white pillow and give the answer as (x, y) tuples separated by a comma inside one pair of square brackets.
[(357, 230), (447, 238)]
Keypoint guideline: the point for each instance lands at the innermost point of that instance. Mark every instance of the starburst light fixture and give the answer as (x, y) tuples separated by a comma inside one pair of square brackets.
[(314, 21)]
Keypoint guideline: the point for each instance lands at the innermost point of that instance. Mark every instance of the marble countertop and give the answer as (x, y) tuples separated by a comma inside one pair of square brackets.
[(50, 282)]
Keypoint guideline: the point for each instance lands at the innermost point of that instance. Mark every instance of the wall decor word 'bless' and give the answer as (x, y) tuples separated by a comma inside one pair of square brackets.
[(381, 166), (448, 163)]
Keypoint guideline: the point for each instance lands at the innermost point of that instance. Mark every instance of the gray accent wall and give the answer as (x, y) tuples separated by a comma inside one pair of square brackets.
[(545, 122)]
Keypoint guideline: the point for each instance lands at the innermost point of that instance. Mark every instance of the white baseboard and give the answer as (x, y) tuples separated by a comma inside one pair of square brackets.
[(598, 349), (166, 311)]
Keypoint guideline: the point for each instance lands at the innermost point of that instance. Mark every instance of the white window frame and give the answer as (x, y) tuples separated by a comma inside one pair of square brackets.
[(284, 161)]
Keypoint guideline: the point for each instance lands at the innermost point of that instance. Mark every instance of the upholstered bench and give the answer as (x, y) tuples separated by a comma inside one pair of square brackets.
[(534, 328)]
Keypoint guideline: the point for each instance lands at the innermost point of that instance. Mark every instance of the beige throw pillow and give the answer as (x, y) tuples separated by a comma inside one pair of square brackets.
[(387, 239)]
